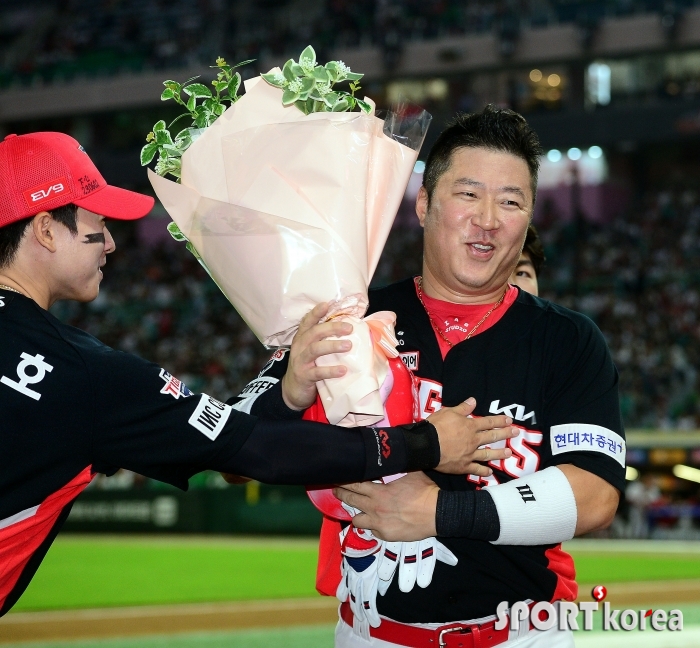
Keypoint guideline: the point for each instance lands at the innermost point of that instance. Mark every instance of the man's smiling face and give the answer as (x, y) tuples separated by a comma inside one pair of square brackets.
[(477, 219)]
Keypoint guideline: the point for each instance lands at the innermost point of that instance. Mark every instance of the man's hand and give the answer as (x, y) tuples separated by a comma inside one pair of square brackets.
[(309, 343), (402, 511), (462, 438)]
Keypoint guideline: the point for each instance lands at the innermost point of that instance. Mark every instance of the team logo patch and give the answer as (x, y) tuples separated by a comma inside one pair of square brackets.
[(574, 437), (47, 191), (410, 359), (257, 386), (173, 386), (276, 357), (210, 416)]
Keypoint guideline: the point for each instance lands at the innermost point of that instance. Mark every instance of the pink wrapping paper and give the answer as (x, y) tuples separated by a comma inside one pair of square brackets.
[(287, 210)]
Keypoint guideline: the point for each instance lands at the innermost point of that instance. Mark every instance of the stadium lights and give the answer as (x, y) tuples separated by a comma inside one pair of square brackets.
[(631, 473), (599, 83), (419, 167), (595, 152), (574, 153), (686, 472), (554, 155)]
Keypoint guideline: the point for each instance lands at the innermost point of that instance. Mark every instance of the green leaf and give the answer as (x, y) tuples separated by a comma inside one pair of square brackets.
[(342, 105), (148, 152), (301, 105), (159, 126), (289, 97), (315, 96), (297, 69), (191, 103), (234, 85), (308, 84), (191, 79), (197, 90), (331, 99), (332, 70), (168, 93), (364, 106), (172, 85), (219, 109), (353, 76), (308, 57), (163, 137), (201, 120), (176, 232), (321, 75), (273, 79), (287, 71)]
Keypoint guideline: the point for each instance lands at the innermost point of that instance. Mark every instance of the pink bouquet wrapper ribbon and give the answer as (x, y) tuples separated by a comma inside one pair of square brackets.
[(287, 210)]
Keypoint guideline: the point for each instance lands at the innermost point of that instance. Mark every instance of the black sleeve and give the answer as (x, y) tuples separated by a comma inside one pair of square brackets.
[(262, 396), (305, 452), (147, 421), (583, 408)]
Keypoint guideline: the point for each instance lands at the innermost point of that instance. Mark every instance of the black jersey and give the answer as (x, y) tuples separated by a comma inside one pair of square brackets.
[(548, 368), (71, 407)]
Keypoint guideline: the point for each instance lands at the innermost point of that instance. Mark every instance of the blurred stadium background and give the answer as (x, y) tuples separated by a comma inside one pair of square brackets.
[(613, 89)]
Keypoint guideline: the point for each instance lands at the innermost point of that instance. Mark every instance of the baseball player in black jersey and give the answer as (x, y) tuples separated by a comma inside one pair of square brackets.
[(465, 332), (71, 407)]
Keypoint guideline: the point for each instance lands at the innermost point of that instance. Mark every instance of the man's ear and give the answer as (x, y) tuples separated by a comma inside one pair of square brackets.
[(422, 205), (44, 228)]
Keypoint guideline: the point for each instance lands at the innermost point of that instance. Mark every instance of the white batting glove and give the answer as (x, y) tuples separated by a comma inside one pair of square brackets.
[(415, 562), (359, 580)]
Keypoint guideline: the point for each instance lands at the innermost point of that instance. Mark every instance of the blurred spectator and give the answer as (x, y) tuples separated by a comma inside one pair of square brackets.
[(530, 264)]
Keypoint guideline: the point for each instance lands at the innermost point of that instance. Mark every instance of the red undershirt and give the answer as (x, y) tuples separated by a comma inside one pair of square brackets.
[(456, 320)]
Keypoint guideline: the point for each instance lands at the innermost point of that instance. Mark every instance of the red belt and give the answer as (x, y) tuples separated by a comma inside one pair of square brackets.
[(451, 635)]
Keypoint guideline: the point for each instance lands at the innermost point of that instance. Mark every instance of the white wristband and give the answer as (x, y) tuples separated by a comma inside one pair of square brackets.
[(534, 510)]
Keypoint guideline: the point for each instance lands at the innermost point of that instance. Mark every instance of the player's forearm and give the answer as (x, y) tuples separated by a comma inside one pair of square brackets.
[(303, 452), (596, 499)]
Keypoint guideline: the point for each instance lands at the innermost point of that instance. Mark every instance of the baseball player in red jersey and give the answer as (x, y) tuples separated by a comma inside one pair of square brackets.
[(464, 331)]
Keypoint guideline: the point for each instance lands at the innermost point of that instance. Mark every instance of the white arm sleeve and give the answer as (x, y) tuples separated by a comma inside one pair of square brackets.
[(537, 509)]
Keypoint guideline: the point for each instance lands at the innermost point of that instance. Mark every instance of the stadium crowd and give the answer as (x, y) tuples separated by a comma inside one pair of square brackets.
[(637, 277), (71, 38)]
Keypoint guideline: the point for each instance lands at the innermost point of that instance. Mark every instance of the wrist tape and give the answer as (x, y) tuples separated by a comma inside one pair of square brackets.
[(534, 510)]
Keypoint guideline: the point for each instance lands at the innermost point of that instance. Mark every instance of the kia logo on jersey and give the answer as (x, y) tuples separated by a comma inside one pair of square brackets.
[(514, 410), (46, 191)]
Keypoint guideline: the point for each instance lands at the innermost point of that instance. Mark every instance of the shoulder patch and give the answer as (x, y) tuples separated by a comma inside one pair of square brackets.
[(276, 357), (257, 386), (210, 416), (577, 437), (173, 386)]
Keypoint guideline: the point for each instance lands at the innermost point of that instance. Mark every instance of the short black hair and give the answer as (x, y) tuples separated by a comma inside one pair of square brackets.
[(11, 235), (534, 249), (495, 129)]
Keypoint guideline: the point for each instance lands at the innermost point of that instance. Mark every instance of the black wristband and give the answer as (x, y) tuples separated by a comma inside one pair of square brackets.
[(467, 514), (422, 446)]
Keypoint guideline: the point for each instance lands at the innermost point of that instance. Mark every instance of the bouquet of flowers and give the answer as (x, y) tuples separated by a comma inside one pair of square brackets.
[(287, 197)]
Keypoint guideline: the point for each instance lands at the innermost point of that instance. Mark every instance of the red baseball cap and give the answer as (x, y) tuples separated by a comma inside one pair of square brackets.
[(43, 171)]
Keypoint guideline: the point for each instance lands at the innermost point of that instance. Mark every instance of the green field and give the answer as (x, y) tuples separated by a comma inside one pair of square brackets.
[(83, 572), (95, 572)]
